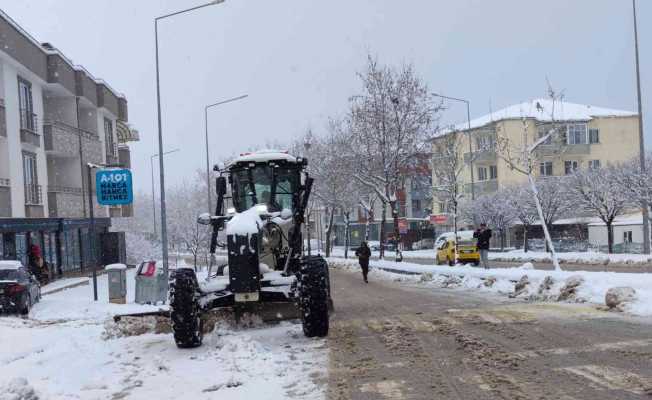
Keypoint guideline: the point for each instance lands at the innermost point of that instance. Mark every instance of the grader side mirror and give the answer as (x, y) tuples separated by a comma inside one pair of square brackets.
[(220, 185), (204, 219)]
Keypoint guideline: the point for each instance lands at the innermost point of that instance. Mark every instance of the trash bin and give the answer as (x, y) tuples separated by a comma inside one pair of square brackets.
[(151, 285), (117, 283)]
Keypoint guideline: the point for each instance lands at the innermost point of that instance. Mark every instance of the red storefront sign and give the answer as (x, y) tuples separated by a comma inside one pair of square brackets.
[(439, 219)]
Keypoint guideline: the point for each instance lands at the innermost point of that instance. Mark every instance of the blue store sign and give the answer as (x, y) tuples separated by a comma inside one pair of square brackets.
[(114, 187)]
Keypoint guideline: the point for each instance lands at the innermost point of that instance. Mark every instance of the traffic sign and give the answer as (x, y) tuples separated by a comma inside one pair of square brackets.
[(114, 187)]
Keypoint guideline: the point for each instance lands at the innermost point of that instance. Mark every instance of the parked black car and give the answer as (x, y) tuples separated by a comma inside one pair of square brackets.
[(19, 290)]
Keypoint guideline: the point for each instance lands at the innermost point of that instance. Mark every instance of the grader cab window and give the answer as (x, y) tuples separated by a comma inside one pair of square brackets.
[(263, 184)]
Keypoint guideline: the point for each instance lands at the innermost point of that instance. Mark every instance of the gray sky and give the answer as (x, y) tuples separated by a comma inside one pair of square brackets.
[(296, 59)]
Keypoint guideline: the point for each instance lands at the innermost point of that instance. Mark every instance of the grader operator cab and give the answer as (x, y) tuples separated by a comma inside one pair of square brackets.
[(266, 265)]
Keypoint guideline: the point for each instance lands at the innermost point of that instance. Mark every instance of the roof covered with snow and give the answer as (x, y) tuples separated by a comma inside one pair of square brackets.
[(543, 110), (10, 264), (264, 156)]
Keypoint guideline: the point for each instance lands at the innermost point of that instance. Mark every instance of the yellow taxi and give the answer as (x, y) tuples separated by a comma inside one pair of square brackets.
[(467, 251)]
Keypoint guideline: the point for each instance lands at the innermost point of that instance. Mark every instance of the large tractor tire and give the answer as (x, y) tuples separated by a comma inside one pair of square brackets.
[(314, 296), (185, 313)]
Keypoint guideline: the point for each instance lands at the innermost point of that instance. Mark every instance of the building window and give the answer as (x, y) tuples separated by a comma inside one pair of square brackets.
[(416, 205), (576, 133), (594, 164), (108, 137), (30, 179), (594, 135), (26, 105), (482, 173), (493, 172), (627, 237), (570, 167), (545, 168), (485, 142), (543, 131)]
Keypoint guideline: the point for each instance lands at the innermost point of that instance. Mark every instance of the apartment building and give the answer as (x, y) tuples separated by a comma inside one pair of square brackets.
[(592, 136), (55, 117)]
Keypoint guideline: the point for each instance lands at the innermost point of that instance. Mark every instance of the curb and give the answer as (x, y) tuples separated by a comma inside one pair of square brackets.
[(61, 289)]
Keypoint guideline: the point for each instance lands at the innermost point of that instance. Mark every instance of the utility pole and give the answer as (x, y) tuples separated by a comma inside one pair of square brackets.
[(208, 168), (164, 230), (644, 203)]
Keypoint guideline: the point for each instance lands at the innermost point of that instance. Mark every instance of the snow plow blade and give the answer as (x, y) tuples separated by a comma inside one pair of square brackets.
[(266, 311)]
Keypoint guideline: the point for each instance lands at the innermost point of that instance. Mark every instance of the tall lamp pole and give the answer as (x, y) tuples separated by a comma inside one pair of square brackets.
[(151, 164), (468, 119), (164, 231), (644, 204), (208, 168)]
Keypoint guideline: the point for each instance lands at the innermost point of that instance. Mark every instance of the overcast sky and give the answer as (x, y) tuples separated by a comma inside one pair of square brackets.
[(297, 60)]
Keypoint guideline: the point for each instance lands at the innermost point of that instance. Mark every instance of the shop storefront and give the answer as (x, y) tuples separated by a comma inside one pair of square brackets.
[(64, 243)]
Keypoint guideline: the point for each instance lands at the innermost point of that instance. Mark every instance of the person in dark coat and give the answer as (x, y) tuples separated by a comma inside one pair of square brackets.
[(483, 235), (364, 253)]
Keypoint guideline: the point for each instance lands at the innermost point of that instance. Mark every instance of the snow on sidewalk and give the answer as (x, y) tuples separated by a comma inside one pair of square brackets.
[(593, 287), (62, 351)]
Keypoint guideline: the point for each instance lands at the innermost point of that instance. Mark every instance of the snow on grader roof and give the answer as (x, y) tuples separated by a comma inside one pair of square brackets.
[(264, 156), (542, 110)]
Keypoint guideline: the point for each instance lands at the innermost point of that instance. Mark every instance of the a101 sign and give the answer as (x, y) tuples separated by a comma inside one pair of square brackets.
[(114, 187)]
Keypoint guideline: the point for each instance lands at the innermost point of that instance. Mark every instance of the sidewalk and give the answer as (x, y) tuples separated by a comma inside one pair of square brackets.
[(63, 284)]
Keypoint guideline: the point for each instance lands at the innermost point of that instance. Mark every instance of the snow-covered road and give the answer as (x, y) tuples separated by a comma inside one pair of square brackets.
[(67, 350)]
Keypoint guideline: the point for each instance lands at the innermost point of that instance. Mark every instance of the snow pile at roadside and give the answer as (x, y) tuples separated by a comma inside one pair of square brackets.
[(538, 285), (588, 257)]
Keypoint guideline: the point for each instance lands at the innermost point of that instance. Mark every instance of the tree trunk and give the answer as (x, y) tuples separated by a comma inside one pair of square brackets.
[(329, 229), (366, 228), (381, 239), (347, 224), (526, 245), (535, 193), (308, 233), (397, 231), (610, 237), (455, 231)]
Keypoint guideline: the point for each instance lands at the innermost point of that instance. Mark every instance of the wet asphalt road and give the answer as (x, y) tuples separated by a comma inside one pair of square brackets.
[(399, 341)]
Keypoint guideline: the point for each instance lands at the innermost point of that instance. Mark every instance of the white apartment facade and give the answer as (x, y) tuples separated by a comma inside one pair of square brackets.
[(54, 118)]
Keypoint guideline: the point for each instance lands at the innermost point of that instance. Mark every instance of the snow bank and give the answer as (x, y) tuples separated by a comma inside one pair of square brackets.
[(588, 257), (542, 285)]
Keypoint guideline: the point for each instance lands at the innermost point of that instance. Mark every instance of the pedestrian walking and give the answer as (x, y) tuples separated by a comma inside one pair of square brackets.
[(364, 253), (483, 235)]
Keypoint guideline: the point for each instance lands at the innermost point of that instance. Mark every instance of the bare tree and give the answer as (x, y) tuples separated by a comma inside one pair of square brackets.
[(597, 190), (185, 234), (523, 154), (520, 199), (495, 210), (447, 167), (331, 166), (390, 122)]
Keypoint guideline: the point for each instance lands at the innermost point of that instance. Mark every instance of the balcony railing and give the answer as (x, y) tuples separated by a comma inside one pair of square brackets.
[(64, 189), (29, 128), (33, 195), (5, 182)]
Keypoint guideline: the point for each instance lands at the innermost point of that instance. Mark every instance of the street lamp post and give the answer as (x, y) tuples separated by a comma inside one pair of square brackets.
[(151, 164), (164, 232), (208, 168), (468, 119), (644, 205)]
